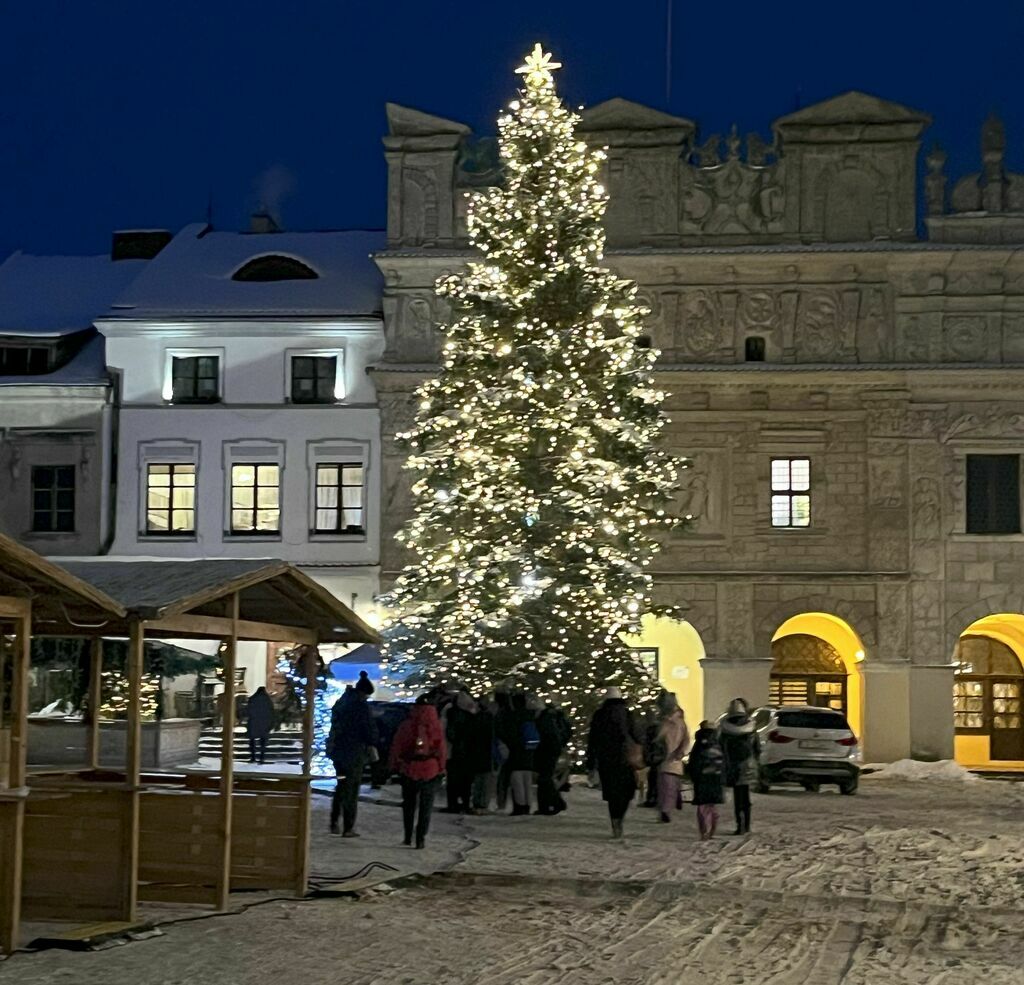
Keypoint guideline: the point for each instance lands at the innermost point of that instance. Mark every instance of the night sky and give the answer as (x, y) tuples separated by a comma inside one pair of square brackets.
[(135, 113)]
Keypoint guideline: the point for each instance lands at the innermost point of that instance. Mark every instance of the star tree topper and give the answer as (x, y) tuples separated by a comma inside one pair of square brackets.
[(538, 67)]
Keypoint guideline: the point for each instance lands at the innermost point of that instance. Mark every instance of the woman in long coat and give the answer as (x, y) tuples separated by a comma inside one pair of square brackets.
[(614, 749)]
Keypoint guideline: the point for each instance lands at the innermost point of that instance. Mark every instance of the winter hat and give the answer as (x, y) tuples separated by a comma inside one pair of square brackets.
[(364, 685), (612, 693), (737, 707)]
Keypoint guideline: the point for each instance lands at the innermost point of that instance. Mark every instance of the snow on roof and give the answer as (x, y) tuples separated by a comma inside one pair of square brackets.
[(192, 276), (87, 367), (57, 295)]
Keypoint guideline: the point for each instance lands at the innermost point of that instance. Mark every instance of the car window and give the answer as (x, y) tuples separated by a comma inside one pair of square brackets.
[(812, 719)]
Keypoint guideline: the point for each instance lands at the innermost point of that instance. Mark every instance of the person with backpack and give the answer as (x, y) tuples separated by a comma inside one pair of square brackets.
[(418, 757), (615, 751), (674, 738), (706, 770), (520, 736), (555, 732), (742, 751)]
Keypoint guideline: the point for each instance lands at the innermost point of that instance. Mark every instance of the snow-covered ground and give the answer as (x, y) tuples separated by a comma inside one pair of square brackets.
[(907, 882)]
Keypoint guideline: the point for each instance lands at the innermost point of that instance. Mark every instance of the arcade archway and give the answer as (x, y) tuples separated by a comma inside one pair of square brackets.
[(988, 691), (816, 661), (673, 649)]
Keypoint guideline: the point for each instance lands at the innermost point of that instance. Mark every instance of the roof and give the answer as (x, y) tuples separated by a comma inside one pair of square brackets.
[(624, 114), (853, 107), (192, 276), (87, 367), (57, 295)]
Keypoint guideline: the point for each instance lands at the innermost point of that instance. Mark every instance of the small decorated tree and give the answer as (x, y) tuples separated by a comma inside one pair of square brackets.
[(540, 487)]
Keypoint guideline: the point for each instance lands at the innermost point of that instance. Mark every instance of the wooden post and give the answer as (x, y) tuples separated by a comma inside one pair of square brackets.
[(19, 699), (133, 767), (95, 698), (227, 758), (310, 663)]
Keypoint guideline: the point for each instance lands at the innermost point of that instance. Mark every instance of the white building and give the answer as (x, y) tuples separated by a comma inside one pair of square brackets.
[(248, 426)]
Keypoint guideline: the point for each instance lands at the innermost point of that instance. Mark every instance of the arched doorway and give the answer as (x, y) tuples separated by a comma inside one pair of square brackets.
[(988, 691), (673, 649), (807, 671), (816, 661)]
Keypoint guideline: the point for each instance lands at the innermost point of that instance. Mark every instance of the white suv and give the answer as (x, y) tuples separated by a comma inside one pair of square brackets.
[(806, 745)]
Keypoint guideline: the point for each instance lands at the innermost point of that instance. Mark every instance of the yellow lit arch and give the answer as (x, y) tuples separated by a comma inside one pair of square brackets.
[(841, 636), (680, 652)]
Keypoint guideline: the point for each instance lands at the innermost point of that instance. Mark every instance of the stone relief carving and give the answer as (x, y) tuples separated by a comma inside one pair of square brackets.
[(819, 327), (419, 206), (916, 342), (965, 337), (885, 477), (701, 323), (992, 422), (926, 620)]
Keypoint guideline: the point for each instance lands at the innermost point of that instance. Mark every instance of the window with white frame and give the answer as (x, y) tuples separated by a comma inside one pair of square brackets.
[(193, 376), (316, 376), (255, 498), (170, 498), (340, 498), (791, 492)]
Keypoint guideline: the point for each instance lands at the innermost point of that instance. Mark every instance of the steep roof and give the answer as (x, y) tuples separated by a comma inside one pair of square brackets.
[(48, 296), (192, 276), (87, 367)]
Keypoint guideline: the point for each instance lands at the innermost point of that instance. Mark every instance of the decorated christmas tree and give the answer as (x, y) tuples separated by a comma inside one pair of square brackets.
[(540, 488)]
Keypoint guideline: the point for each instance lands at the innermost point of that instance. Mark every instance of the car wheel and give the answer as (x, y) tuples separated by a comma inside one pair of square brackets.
[(810, 786), (848, 787)]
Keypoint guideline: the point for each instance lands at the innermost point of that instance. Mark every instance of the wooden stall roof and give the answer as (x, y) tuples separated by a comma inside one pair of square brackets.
[(187, 599)]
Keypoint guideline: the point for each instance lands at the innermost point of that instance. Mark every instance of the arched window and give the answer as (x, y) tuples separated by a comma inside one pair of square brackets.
[(274, 267), (807, 671)]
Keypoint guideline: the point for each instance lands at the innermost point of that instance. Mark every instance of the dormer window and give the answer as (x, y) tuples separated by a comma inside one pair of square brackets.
[(274, 267), (24, 360)]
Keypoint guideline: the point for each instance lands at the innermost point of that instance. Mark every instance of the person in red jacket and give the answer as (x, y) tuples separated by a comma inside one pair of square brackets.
[(418, 756)]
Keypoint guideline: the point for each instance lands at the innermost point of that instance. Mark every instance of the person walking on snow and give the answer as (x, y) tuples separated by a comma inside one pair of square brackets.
[(521, 737), (353, 733), (706, 769), (418, 756), (461, 732), (615, 751), (741, 750), (259, 723), (555, 732), (674, 738)]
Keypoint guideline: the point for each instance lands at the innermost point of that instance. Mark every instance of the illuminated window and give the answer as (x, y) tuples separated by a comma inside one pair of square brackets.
[(647, 657), (53, 498), (171, 499), (791, 492), (255, 499), (339, 499)]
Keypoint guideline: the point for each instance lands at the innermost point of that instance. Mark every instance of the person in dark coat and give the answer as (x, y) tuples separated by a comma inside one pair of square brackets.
[(418, 756), (259, 723), (742, 751), (614, 749), (518, 732), (706, 770), (353, 733), (502, 727), (555, 732), (461, 733), (484, 758)]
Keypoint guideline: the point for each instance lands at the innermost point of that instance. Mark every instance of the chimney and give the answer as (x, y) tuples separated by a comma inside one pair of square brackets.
[(261, 221)]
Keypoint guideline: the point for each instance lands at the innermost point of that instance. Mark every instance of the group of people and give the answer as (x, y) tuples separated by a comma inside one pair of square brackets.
[(625, 755), (491, 748)]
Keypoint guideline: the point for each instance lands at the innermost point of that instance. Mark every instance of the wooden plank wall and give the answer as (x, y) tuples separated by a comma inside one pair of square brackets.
[(74, 850), (267, 837), (180, 847), (11, 820)]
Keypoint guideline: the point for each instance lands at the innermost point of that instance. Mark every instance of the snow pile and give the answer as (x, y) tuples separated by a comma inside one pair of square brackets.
[(945, 770)]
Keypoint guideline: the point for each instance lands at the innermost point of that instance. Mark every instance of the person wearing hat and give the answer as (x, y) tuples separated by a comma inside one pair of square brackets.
[(614, 749), (353, 734)]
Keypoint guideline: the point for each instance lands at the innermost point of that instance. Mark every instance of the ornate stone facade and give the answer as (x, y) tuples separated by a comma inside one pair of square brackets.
[(885, 362)]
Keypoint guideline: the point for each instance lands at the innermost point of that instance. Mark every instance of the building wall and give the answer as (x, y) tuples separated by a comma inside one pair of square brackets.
[(54, 425), (887, 362)]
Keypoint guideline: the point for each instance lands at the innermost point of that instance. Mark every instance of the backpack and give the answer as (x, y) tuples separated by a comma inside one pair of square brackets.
[(713, 761), (421, 743), (529, 734)]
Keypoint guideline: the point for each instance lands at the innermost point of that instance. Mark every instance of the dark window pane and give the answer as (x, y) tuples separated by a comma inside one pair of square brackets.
[(195, 379), (313, 379), (53, 498), (753, 349), (993, 494)]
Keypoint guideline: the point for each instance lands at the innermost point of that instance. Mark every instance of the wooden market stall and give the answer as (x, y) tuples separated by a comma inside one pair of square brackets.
[(88, 844)]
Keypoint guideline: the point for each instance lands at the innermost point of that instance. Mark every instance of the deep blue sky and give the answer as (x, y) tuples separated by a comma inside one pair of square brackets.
[(131, 113)]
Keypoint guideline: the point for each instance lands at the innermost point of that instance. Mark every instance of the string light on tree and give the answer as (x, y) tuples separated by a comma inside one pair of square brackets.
[(540, 487)]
